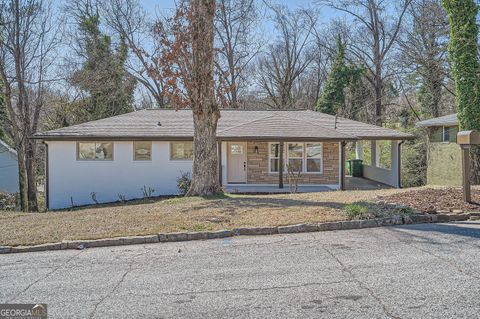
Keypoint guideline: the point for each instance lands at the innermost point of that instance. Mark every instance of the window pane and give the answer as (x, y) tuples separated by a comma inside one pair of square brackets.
[(181, 151), (86, 151), (274, 163), (143, 151), (436, 134), (295, 164), (452, 134), (275, 150), (314, 165), (104, 151), (295, 150), (314, 150), (236, 149)]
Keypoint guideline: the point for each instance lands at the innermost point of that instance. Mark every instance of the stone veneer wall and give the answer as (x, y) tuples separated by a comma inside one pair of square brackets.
[(257, 166)]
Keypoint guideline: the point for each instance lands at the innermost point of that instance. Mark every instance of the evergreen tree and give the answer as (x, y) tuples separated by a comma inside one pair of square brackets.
[(103, 76), (341, 76), (463, 54), (463, 51)]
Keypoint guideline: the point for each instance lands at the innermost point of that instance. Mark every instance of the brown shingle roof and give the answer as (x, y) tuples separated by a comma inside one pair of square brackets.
[(446, 120), (165, 124)]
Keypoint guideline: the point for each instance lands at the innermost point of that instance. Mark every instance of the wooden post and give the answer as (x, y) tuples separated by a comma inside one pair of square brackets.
[(467, 197), (219, 151), (280, 166), (342, 165), (399, 163)]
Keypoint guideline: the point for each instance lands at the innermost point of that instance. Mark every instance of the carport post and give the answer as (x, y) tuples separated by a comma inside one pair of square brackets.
[(342, 165), (219, 152), (280, 166)]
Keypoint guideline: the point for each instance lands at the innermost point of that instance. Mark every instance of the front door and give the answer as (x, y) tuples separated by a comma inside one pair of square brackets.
[(237, 162)]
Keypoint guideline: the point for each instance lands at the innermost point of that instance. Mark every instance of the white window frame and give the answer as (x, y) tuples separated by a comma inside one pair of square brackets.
[(286, 157), (170, 147), (94, 159)]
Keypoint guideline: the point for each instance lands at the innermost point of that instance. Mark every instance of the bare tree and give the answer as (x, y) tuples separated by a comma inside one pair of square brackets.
[(129, 20), (373, 33), (235, 23), (287, 58), (28, 40), (188, 67), (424, 51)]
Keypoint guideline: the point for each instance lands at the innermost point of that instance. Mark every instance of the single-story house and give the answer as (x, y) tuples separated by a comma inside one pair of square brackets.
[(146, 151), (444, 156), (8, 169)]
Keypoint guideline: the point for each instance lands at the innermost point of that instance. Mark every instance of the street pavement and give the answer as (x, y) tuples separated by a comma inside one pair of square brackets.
[(410, 271)]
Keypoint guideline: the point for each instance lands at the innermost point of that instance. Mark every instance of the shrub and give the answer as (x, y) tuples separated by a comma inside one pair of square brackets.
[(7, 201), (405, 210), (359, 210), (184, 182)]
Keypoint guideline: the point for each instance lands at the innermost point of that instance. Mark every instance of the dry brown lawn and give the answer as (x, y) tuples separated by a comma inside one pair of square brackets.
[(178, 214)]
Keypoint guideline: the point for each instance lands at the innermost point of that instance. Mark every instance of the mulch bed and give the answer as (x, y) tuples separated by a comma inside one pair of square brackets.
[(436, 199)]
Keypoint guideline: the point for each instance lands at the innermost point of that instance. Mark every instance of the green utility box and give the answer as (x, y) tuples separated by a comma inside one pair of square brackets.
[(355, 168)]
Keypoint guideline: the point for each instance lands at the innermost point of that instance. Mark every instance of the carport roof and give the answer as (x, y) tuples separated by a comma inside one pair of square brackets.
[(169, 124)]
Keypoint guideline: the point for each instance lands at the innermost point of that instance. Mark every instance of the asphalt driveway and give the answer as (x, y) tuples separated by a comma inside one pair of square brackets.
[(417, 271)]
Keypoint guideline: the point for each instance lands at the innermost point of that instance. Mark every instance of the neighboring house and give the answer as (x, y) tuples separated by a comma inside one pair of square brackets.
[(444, 157), (121, 156), (8, 169)]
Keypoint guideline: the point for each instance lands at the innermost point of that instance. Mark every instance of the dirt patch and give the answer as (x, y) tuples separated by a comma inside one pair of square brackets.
[(438, 199)]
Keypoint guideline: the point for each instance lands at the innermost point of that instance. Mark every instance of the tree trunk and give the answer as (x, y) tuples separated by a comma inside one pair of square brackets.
[(31, 176), (204, 107), (205, 162), (22, 178)]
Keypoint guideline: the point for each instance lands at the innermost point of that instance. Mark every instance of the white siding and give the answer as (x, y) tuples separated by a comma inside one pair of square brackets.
[(8, 171), (70, 179)]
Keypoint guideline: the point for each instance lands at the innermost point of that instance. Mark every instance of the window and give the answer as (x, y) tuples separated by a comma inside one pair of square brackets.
[(142, 151), (236, 149), (445, 134), (450, 134), (314, 157), (274, 157), (295, 156), (101, 151), (303, 157), (181, 151)]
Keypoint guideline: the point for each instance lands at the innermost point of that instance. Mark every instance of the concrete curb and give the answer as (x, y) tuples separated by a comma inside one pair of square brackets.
[(254, 231)]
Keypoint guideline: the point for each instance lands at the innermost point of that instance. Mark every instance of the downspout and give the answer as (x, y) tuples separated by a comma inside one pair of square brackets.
[(399, 163)]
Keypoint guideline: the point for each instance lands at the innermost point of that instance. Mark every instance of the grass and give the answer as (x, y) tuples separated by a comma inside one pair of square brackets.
[(368, 210), (180, 214)]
